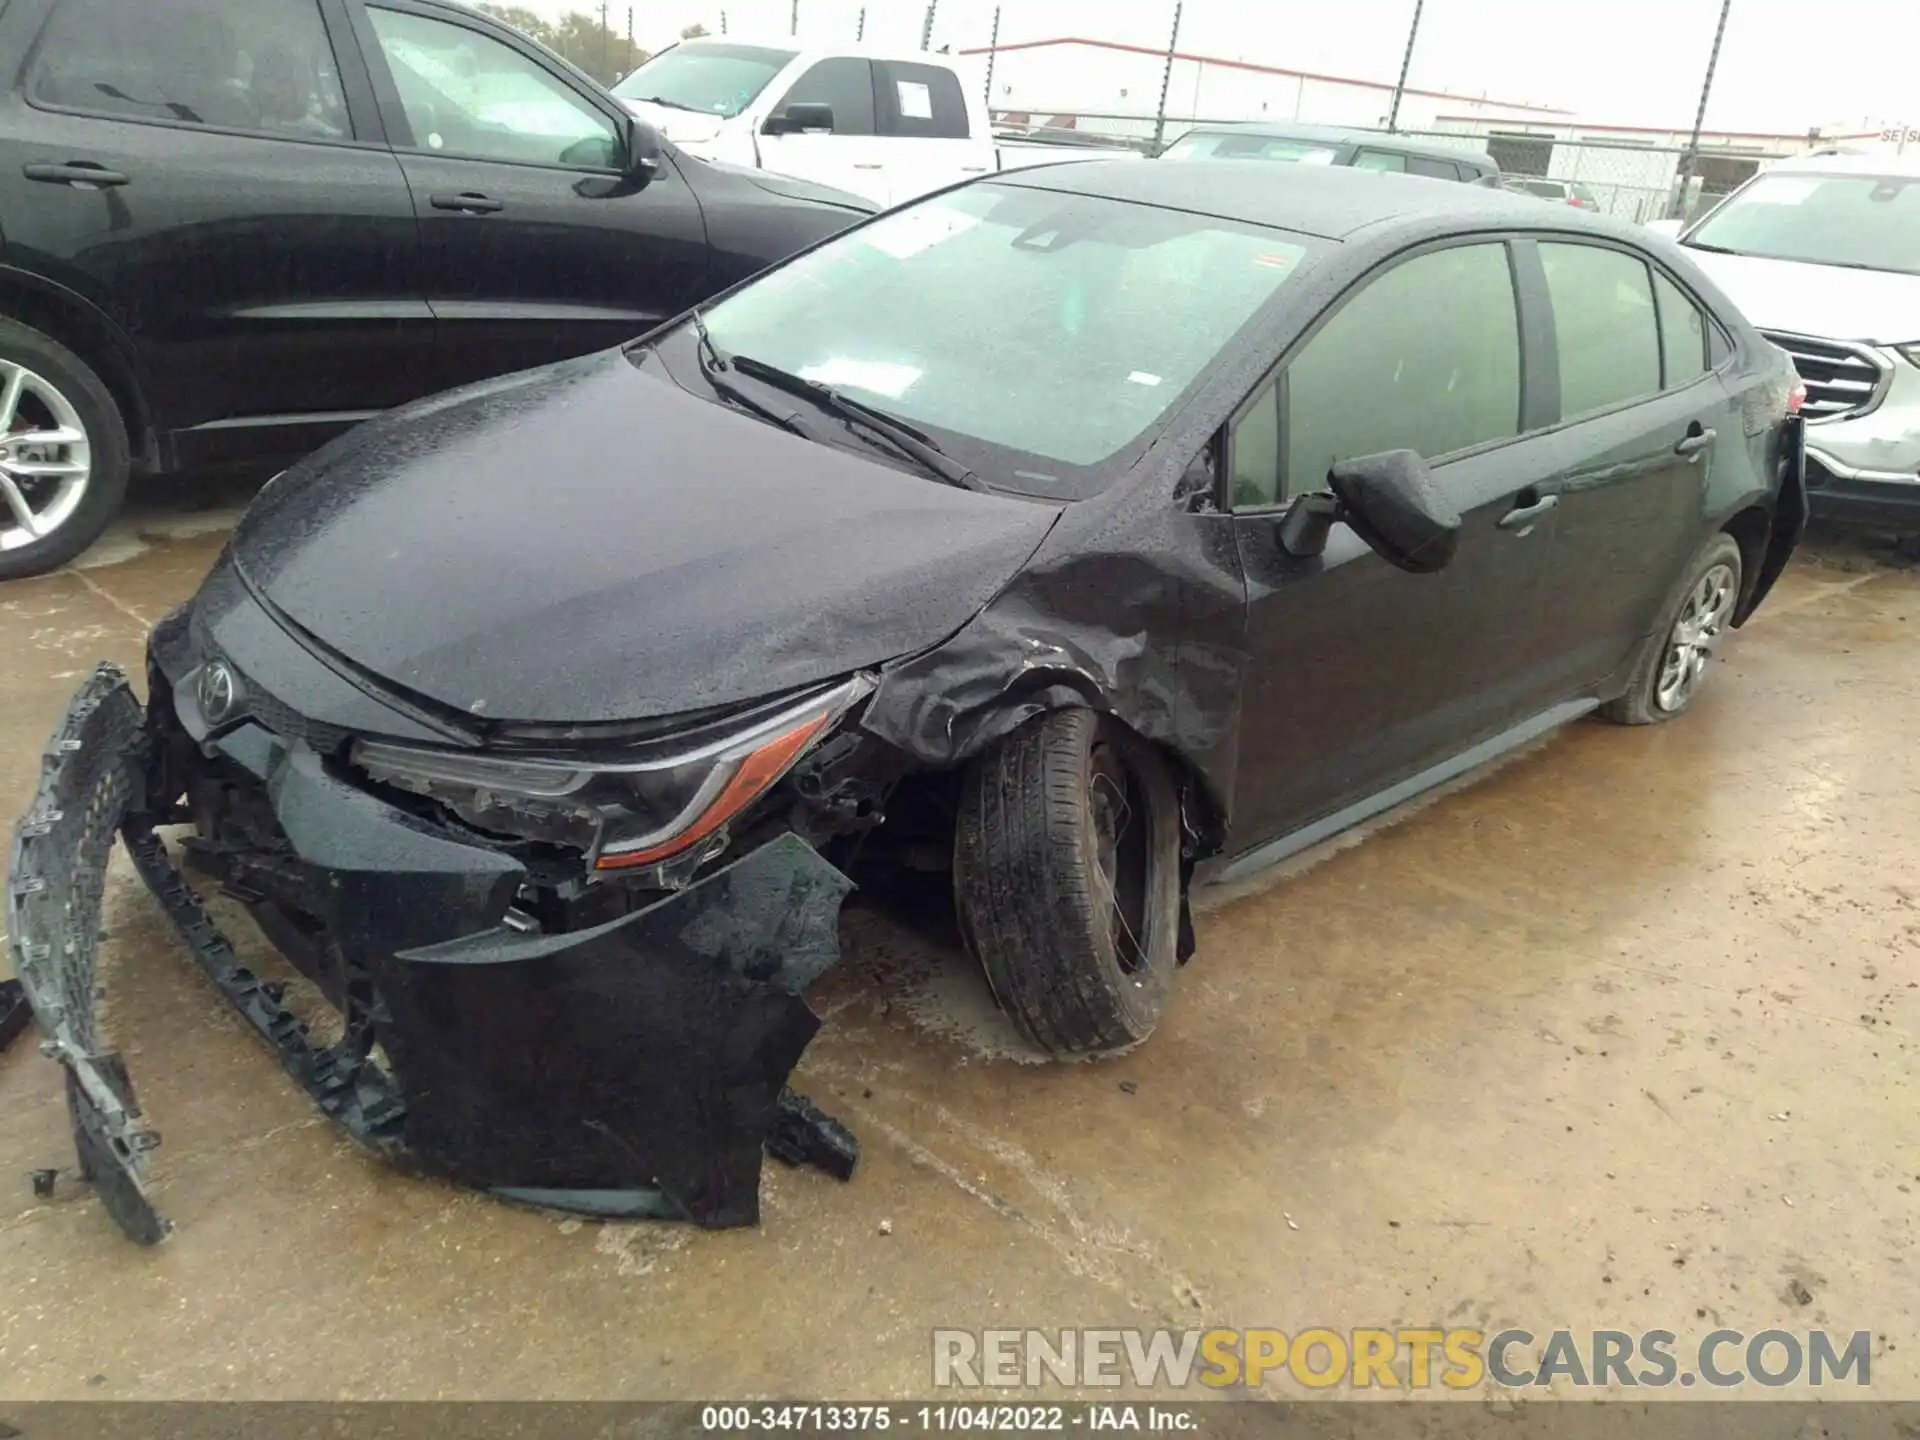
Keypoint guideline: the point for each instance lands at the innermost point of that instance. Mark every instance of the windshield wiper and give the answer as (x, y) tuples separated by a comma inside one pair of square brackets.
[(662, 100), (714, 364), (915, 444)]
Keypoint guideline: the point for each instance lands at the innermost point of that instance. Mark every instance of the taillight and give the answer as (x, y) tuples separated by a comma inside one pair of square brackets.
[(1796, 397)]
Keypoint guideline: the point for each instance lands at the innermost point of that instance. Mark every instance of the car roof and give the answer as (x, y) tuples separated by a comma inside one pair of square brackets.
[(1848, 162), (1340, 135), (1331, 202)]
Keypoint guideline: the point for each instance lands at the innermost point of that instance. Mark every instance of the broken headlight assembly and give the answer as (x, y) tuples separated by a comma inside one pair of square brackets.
[(620, 813)]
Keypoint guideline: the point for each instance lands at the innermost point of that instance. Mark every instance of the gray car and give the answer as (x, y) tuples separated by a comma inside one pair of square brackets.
[(1303, 144)]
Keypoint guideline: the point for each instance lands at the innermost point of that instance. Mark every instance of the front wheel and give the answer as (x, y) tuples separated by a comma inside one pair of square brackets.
[(1067, 881), (63, 453), (1673, 665)]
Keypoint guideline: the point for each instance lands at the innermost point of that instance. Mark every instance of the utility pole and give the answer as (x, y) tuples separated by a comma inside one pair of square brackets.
[(1691, 160), (1166, 80), (793, 25), (926, 26), (861, 33), (993, 49), (723, 22), (1406, 63), (606, 35), (629, 58)]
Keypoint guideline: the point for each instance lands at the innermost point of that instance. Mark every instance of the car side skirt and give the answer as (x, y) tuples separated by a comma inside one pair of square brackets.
[(1262, 857)]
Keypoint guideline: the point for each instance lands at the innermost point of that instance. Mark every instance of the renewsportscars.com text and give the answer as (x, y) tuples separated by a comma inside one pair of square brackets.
[(1396, 1359)]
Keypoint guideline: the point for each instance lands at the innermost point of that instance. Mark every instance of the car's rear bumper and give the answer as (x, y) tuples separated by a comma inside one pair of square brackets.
[(636, 1067)]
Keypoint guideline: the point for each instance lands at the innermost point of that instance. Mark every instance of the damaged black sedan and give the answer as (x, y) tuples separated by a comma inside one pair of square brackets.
[(1097, 531)]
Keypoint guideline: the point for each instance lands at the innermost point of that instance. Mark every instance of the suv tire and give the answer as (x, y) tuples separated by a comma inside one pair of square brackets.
[(69, 490)]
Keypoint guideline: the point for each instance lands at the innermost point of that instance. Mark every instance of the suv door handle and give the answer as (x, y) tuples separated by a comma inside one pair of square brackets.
[(74, 172), (1523, 515), (1695, 441), (468, 203)]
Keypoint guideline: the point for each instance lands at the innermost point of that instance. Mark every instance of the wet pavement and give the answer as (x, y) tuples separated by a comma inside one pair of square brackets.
[(1619, 1036)]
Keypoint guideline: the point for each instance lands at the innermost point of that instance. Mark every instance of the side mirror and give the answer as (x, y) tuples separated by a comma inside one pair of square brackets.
[(801, 116), (1667, 229), (643, 151), (1391, 502)]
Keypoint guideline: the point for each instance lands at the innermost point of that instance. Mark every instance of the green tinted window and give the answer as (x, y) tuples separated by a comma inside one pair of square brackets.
[(1425, 358), (1683, 333), (1603, 316)]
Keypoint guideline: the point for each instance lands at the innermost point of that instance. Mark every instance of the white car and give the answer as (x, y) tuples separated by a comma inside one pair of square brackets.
[(886, 127), (1823, 255)]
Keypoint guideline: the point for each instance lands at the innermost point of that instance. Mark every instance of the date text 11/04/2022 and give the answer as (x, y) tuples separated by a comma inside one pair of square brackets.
[(1019, 1419)]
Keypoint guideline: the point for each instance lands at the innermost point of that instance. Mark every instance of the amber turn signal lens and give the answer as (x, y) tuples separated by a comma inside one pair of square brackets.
[(756, 775)]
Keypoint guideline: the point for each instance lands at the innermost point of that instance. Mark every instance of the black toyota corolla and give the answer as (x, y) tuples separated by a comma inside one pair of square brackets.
[(1096, 530)]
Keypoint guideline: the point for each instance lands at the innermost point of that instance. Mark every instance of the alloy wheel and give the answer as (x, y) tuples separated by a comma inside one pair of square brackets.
[(1697, 632), (46, 459)]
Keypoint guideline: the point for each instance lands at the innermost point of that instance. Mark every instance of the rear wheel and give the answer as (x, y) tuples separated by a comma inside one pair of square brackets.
[(1067, 881), (1673, 665), (63, 453)]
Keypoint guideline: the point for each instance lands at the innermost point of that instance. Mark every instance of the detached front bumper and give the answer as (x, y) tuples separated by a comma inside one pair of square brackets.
[(634, 1068)]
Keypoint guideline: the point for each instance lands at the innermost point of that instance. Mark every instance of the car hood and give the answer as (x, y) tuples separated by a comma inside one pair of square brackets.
[(683, 127), (1822, 301), (792, 187), (589, 542)]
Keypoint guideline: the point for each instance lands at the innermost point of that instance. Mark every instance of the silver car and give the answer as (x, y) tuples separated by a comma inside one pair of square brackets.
[(1823, 255)]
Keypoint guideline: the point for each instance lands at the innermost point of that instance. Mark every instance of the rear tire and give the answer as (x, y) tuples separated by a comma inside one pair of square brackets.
[(56, 494), (1067, 881), (1675, 660)]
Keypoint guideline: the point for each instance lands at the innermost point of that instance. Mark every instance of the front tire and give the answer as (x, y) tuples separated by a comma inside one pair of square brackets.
[(63, 453), (1067, 881), (1673, 665)]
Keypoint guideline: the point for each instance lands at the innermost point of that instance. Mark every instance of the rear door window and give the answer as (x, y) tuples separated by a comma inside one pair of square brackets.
[(843, 83), (924, 101), (1433, 169), (1603, 316), (264, 66), (1683, 334), (1380, 160), (1426, 357)]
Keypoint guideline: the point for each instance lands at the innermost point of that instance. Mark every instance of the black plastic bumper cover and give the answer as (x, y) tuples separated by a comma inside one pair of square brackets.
[(633, 1069)]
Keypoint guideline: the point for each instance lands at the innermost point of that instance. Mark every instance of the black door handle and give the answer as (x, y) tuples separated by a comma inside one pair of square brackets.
[(77, 172), (468, 203), (1521, 516), (1695, 441)]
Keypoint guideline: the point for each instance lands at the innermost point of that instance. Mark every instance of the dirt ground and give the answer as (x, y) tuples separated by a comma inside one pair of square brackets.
[(1619, 1036)]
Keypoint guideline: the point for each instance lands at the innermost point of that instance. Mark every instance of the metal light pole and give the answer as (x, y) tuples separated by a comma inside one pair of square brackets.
[(793, 25), (1406, 64), (1692, 157), (926, 25), (606, 38), (861, 33), (993, 49), (723, 22), (1166, 80)]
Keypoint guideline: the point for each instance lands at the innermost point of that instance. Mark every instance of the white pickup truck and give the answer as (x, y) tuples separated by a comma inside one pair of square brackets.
[(886, 127)]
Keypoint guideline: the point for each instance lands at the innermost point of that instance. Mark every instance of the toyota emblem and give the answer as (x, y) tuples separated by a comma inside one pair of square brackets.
[(218, 691)]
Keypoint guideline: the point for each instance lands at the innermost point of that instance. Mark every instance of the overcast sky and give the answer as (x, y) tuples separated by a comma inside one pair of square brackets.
[(1786, 64)]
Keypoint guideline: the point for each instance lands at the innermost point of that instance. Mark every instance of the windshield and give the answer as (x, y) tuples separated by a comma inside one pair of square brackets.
[(1869, 222), (1041, 335), (1199, 146), (709, 76)]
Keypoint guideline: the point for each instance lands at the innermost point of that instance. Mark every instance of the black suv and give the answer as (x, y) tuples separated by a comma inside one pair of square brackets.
[(232, 228)]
